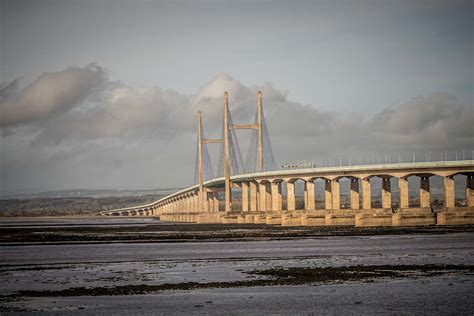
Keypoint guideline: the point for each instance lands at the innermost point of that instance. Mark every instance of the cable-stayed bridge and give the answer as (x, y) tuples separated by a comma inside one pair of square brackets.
[(255, 191)]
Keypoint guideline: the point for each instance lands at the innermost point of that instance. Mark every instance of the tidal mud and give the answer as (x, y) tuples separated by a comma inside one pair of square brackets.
[(172, 232), (274, 277), (259, 269)]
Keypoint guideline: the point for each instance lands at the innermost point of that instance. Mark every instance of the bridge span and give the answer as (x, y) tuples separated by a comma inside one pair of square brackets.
[(270, 197), (263, 196)]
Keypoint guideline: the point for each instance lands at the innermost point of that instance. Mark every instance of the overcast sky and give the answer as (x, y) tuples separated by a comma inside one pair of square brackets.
[(104, 94)]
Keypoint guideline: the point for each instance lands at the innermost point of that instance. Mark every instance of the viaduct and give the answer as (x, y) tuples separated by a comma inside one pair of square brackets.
[(268, 196)]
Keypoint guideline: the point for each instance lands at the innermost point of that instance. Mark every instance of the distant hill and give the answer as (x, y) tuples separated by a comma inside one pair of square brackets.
[(87, 193), (60, 206)]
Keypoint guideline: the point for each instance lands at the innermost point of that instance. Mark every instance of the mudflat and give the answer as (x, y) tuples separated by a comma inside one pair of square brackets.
[(61, 230), (80, 266)]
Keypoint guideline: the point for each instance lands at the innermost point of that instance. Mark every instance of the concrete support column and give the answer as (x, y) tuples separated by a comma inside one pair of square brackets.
[(336, 195), (403, 188), (470, 190), (366, 194), (354, 193), (327, 195), (215, 197), (262, 189), (258, 199), (424, 191), (276, 197), (253, 197), (268, 197), (196, 202), (386, 193), (280, 197), (210, 202), (305, 196), (205, 203), (449, 192), (309, 195), (245, 196), (188, 204), (290, 198)]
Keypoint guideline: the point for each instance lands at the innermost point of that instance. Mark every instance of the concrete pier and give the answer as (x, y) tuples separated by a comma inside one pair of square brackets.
[(373, 217), (291, 219), (313, 218), (455, 216), (340, 217), (414, 217)]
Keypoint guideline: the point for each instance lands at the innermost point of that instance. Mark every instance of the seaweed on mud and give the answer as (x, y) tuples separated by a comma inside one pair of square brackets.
[(273, 277), (302, 275)]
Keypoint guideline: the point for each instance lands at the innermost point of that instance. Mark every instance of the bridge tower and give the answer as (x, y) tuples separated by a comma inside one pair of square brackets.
[(199, 163), (260, 133), (203, 169), (231, 163), (227, 184)]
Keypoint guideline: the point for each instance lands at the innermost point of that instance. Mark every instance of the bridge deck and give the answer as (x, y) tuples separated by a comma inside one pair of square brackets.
[(320, 171)]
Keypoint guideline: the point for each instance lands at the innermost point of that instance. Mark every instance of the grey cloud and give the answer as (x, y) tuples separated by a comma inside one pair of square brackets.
[(144, 137), (125, 112), (50, 93), (130, 112), (8, 89), (433, 122)]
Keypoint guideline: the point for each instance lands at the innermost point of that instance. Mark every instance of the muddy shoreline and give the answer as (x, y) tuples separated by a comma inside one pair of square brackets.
[(273, 277), (384, 272), (171, 232)]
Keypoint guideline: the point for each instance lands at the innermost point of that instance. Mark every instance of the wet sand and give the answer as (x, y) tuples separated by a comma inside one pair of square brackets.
[(261, 270), (435, 296)]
